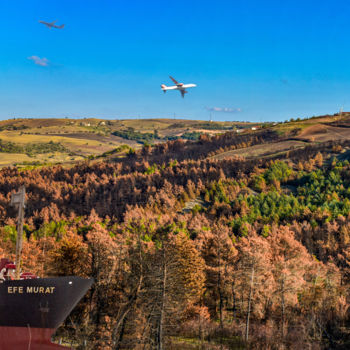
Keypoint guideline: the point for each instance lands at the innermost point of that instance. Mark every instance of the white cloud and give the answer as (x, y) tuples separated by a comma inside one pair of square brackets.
[(43, 62), (224, 109)]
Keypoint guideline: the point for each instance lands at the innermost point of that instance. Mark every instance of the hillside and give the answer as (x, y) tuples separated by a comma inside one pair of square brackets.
[(298, 135), (237, 240), (83, 138), (26, 142)]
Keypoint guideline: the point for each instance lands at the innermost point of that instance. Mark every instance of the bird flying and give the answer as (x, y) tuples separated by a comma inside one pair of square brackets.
[(178, 86), (52, 25)]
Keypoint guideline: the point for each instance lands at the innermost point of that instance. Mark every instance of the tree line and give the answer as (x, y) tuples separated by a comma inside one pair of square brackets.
[(260, 262)]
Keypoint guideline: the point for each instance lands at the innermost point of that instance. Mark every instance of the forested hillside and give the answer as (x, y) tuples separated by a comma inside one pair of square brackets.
[(189, 251)]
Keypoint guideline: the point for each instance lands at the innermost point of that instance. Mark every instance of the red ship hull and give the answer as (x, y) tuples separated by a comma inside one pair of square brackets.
[(26, 338)]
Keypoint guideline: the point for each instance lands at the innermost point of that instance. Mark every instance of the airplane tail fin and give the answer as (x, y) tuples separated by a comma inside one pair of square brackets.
[(61, 26)]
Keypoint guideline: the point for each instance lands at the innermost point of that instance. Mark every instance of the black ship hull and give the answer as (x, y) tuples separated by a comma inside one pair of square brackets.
[(31, 310)]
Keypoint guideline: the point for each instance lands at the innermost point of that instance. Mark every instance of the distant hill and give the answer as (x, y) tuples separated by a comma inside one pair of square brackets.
[(35, 142), (79, 139)]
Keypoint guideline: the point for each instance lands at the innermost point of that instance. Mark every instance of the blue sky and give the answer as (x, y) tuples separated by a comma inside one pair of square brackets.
[(273, 60)]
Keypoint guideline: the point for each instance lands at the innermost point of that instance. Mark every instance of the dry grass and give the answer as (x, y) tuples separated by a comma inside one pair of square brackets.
[(322, 133), (262, 150), (7, 159)]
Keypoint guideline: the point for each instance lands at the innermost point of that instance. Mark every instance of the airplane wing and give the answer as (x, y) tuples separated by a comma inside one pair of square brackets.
[(175, 82), (183, 92)]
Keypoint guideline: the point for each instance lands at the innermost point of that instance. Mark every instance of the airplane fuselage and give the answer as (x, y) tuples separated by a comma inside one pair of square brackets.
[(178, 87), (52, 25)]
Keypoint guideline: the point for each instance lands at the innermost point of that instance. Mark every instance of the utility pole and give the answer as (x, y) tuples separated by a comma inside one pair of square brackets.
[(18, 201), (249, 304)]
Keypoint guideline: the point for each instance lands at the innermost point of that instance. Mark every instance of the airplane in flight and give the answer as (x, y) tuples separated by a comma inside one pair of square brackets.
[(52, 25), (178, 86)]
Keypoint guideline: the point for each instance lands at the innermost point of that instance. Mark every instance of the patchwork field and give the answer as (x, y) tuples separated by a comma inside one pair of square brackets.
[(80, 139), (32, 141)]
